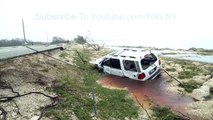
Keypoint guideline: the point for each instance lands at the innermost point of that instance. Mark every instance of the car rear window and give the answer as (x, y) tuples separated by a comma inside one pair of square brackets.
[(130, 65), (148, 60)]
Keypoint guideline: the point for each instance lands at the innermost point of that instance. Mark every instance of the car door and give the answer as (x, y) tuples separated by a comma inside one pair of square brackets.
[(130, 69), (106, 66), (113, 66)]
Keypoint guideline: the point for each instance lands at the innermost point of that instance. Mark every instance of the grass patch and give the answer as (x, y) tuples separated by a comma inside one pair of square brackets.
[(210, 96), (211, 90), (63, 54), (194, 68), (186, 74), (45, 70), (164, 113), (190, 85), (181, 62), (171, 69), (75, 93), (209, 70), (189, 69)]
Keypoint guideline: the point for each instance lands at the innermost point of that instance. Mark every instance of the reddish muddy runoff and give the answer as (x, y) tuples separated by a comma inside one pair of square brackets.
[(150, 91)]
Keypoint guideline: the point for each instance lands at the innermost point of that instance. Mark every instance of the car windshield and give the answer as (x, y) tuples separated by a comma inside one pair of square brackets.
[(148, 60)]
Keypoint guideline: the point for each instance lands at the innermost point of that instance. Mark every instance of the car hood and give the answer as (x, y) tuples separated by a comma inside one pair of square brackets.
[(97, 61)]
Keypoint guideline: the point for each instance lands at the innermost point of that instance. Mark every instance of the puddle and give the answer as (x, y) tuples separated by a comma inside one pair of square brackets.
[(154, 90)]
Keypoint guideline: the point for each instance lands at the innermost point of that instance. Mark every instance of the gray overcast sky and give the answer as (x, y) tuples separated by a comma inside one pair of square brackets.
[(159, 23)]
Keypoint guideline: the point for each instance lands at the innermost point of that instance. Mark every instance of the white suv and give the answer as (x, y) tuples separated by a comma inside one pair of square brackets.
[(134, 64)]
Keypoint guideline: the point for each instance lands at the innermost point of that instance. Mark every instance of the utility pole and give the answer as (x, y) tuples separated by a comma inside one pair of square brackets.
[(23, 30)]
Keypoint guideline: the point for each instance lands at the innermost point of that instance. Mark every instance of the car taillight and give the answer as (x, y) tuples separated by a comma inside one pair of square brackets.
[(159, 62), (141, 76)]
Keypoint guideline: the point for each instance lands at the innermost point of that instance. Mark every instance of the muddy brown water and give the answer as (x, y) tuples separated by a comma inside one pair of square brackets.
[(149, 92)]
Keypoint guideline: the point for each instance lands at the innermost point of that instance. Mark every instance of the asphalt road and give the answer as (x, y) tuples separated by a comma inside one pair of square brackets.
[(10, 52)]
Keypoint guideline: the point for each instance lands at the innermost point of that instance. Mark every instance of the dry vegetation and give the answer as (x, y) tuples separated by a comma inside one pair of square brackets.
[(197, 82)]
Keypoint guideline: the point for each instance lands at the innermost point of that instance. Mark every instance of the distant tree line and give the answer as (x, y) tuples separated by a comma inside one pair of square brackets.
[(12, 42), (20, 42), (200, 49), (80, 40), (56, 40)]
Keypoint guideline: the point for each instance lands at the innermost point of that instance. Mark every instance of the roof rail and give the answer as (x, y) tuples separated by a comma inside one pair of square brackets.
[(115, 55), (132, 57), (125, 49)]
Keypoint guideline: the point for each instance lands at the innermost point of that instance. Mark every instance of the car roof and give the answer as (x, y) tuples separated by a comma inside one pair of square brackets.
[(130, 54)]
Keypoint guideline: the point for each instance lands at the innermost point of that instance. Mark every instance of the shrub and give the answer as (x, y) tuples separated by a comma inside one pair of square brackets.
[(210, 96), (186, 74), (211, 90), (171, 69), (63, 54), (190, 85), (164, 113)]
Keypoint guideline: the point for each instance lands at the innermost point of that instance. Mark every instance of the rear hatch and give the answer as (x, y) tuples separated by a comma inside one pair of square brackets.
[(148, 64)]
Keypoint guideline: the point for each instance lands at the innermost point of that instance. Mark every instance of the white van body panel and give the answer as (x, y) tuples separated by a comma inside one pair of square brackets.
[(130, 74), (113, 71), (151, 70)]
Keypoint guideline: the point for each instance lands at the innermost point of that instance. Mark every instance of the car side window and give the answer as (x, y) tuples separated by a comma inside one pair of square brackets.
[(106, 62), (129, 65), (115, 63)]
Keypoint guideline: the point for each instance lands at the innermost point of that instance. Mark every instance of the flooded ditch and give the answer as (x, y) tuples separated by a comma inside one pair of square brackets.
[(151, 91)]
